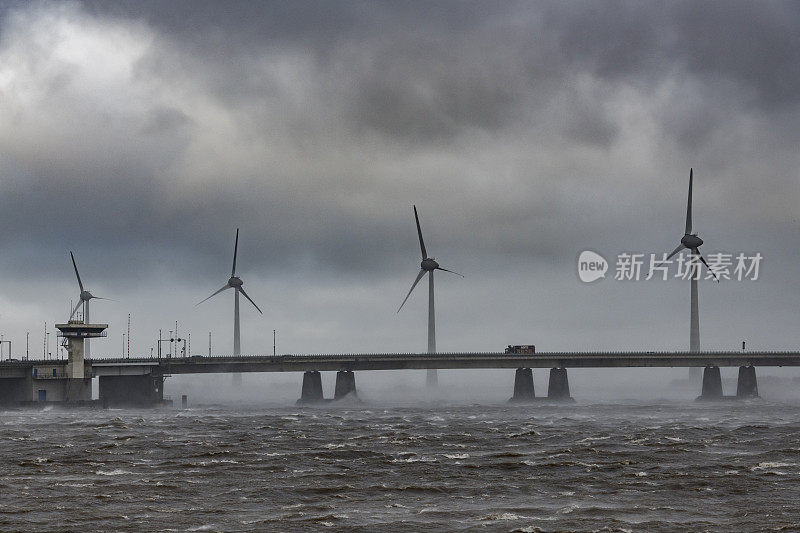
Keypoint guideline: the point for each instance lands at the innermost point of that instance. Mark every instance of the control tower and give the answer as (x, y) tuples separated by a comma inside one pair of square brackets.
[(79, 385)]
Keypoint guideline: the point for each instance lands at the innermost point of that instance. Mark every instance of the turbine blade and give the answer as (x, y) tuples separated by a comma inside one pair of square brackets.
[(419, 277), (101, 298), (219, 291), (675, 251), (451, 271), (419, 232), (703, 259), (235, 249), (689, 205), (72, 314), (80, 283), (241, 289)]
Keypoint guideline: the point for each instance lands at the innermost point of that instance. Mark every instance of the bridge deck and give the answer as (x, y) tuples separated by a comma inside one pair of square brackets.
[(336, 362)]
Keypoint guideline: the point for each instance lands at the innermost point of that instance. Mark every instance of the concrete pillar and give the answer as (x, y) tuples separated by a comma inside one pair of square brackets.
[(558, 388), (432, 377), (747, 386), (523, 385), (75, 365), (712, 384), (77, 390), (345, 384), (312, 387)]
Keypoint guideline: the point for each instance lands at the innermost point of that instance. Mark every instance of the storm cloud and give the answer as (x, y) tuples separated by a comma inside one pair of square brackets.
[(141, 134)]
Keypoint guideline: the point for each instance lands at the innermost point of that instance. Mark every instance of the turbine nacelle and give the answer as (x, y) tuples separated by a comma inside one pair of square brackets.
[(429, 264), (235, 282), (86, 296), (691, 241)]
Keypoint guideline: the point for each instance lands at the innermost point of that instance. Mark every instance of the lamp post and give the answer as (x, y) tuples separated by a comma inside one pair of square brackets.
[(160, 340)]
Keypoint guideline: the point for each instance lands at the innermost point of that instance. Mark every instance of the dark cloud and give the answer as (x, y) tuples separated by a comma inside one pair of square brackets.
[(141, 134)]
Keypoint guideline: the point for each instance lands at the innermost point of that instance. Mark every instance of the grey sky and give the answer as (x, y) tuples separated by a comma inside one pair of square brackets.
[(141, 134)]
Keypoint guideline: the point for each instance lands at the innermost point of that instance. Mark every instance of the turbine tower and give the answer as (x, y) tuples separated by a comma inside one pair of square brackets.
[(428, 265), (83, 300), (235, 283), (690, 241)]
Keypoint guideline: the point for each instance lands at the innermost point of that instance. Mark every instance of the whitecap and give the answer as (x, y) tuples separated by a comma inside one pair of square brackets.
[(501, 516), (115, 472)]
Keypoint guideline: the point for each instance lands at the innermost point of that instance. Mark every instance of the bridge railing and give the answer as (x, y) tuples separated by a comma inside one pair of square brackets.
[(446, 355)]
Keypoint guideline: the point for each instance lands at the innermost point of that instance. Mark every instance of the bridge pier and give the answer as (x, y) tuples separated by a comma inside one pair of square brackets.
[(747, 386), (312, 388), (712, 384), (145, 390), (558, 387), (345, 384), (523, 386)]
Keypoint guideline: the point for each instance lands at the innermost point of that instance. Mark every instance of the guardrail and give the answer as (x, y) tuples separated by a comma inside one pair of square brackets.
[(199, 359), (453, 355)]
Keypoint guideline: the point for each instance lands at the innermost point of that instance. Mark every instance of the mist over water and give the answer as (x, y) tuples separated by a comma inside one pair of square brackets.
[(403, 458), (468, 387)]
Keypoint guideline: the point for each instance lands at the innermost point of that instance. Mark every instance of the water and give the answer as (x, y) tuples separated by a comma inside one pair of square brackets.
[(606, 467)]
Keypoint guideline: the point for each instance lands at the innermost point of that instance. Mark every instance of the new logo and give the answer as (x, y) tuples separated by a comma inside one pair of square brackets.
[(591, 266)]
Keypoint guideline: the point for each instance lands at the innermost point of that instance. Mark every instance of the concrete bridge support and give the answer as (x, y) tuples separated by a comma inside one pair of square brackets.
[(312, 388), (77, 390), (523, 385), (558, 387), (131, 391), (747, 386), (345, 384), (712, 384)]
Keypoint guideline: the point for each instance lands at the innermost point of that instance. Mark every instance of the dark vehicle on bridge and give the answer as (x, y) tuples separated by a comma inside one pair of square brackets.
[(521, 349)]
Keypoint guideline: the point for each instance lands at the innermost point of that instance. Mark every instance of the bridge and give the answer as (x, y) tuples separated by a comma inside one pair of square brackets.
[(139, 381)]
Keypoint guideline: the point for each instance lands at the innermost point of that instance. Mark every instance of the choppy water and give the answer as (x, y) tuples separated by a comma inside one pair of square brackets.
[(624, 467)]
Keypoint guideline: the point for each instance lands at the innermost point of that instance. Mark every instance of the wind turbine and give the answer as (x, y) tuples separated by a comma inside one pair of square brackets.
[(690, 241), (235, 283), (428, 265), (83, 300)]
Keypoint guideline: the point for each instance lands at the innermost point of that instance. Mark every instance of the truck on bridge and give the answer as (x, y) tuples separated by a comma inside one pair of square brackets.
[(521, 349)]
